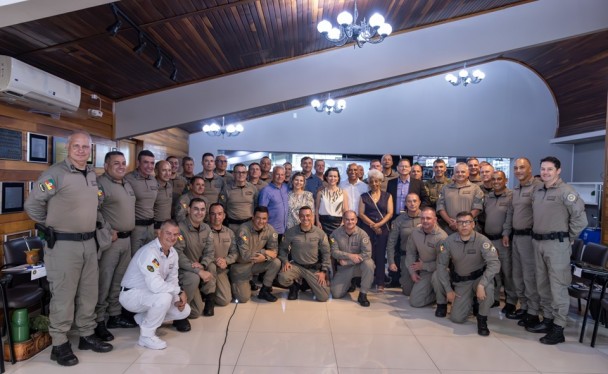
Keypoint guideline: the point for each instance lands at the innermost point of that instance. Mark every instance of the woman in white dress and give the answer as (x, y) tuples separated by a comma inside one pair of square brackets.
[(297, 199)]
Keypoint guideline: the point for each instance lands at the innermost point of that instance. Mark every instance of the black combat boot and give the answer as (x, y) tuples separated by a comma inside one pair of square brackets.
[(63, 355), (475, 307), (518, 314), (305, 286), (353, 285), (293, 291), (94, 343), (265, 294), (253, 285), (528, 321), (102, 332), (441, 311), (182, 325), (119, 321), (362, 299), (208, 311), (544, 327), (482, 325), (508, 309), (555, 336)]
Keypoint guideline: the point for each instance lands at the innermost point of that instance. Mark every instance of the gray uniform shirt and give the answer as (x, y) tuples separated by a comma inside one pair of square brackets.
[(117, 203), (306, 247), (224, 245), (239, 201), (251, 242), (454, 199), (495, 209), (519, 216), (163, 202), (194, 245), (558, 208), (341, 244), (401, 228), (213, 186), (63, 198), (146, 189), (181, 208), (467, 258), (424, 247)]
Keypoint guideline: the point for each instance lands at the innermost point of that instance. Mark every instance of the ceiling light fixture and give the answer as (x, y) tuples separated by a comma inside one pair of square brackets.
[(143, 39), (348, 30), (216, 130), (328, 106), (465, 78)]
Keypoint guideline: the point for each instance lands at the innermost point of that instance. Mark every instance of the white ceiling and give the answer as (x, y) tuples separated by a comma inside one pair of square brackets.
[(35, 9)]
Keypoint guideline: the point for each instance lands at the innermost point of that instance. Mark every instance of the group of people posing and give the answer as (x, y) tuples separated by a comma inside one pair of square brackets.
[(154, 245)]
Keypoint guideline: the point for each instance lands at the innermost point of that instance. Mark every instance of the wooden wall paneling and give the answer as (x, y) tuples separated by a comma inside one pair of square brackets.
[(171, 142), (604, 208)]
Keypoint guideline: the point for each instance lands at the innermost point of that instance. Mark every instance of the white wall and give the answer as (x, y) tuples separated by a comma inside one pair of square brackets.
[(510, 114), (589, 161)]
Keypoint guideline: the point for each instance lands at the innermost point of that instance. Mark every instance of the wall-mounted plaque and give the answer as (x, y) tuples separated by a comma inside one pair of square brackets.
[(12, 197), (10, 144), (60, 151), (37, 148)]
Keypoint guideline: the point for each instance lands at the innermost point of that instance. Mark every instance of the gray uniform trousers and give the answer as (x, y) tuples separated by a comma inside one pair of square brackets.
[(553, 278), (422, 293), (341, 281), (72, 272), (463, 303), (140, 236), (505, 276), (194, 285), (223, 293), (524, 273), (112, 267), (406, 279), (240, 274), (286, 278)]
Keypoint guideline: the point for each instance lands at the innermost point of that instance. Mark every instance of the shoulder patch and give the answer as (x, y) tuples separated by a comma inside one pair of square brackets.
[(275, 235), (244, 237), (184, 205), (365, 240), (571, 197), (332, 240), (150, 268), (155, 263), (100, 193), (47, 185), (180, 238), (441, 248), (486, 245)]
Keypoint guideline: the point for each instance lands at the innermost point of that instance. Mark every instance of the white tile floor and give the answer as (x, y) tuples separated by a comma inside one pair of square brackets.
[(339, 336)]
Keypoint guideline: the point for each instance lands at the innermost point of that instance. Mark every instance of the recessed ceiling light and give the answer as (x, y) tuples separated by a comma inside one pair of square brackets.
[(9, 2)]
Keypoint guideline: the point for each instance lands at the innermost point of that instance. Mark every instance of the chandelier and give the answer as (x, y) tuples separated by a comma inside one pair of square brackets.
[(465, 78), (216, 130), (347, 31), (328, 106)]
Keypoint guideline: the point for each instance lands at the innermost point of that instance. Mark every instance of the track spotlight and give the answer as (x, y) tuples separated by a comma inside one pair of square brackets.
[(113, 30), (142, 44), (174, 75)]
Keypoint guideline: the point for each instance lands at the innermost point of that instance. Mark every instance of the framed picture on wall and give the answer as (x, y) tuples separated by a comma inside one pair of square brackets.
[(60, 151), (37, 148), (12, 197), (91, 159), (10, 144)]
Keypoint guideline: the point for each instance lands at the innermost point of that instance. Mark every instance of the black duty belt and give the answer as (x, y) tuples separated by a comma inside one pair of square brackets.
[(75, 237), (237, 221), (560, 235), (474, 275), (123, 234), (524, 232), (315, 267), (124, 289), (494, 237), (144, 222)]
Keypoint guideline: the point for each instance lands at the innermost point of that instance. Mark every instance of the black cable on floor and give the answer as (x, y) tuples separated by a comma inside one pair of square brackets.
[(219, 362)]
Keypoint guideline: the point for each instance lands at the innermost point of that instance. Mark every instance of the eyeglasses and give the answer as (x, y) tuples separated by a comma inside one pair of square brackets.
[(464, 223), (239, 172)]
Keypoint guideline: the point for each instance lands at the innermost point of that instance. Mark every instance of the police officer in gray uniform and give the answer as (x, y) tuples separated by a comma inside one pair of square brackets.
[(351, 248), (146, 188), (239, 197), (195, 246), (475, 263), (519, 225), (401, 228), (258, 246), (64, 199), (421, 257), (164, 197), (459, 196), (196, 190), (179, 183), (213, 182), (496, 205), (224, 253), (310, 257), (117, 213), (435, 184), (559, 217)]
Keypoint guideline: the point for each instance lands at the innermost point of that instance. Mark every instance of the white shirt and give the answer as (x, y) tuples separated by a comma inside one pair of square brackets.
[(354, 192), (150, 269)]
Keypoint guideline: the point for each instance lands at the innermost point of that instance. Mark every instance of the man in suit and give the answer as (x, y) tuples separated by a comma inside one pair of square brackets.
[(399, 188)]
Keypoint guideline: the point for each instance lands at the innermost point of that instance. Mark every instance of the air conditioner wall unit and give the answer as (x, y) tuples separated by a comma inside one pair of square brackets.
[(27, 86)]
